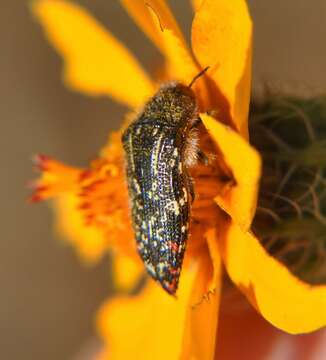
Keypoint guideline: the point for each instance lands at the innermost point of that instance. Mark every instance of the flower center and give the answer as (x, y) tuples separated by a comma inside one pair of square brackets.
[(105, 204), (209, 180)]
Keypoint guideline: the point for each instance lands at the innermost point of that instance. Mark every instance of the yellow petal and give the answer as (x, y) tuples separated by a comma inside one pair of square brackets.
[(157, 21), (281, 298), (196, 4), (139, 12), (222, 39), (240, 199), (149, 325), (201, 326), (88, 240), (127, 272), (95, 62)]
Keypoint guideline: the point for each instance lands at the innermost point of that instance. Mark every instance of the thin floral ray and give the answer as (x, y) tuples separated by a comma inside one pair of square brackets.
[(222, 39), (139, 11), (91, 204), (125, 318), (95, 62), (239, 199), (180, 64), (56, 178), (61, 184), (89, 241), (281, 298), (204, 306), (158, 23)]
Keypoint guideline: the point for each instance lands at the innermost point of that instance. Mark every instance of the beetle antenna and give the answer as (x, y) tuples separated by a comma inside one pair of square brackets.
[(201, 73)]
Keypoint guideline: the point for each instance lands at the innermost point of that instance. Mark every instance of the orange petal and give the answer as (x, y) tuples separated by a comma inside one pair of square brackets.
[(196, 4), (149, 325), (201, 326), (70, 224), (157, 21), (95, 62), (222, 39), (127, 272), (63, 183), (240, 199), (139, 12), (281, 298), (56, 178)]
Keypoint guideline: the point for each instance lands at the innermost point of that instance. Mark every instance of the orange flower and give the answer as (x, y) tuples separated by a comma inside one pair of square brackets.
[(92, 204)]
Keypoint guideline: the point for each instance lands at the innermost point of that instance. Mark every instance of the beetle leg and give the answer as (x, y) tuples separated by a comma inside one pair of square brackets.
[(202, 157), (191, 188)]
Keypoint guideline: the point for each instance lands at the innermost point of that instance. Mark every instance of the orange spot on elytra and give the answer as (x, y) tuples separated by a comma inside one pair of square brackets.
[(174, 247)]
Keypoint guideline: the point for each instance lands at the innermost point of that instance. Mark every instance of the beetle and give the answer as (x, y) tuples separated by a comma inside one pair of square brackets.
[(160, 144)]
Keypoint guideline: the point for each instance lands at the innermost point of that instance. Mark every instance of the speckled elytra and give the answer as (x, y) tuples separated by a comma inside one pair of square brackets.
[(159, 146)]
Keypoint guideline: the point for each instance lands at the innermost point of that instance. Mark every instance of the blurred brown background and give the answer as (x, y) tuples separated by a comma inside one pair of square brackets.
[(47, 298)]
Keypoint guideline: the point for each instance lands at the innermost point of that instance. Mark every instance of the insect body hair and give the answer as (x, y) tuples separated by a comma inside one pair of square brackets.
[(190, 151)]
